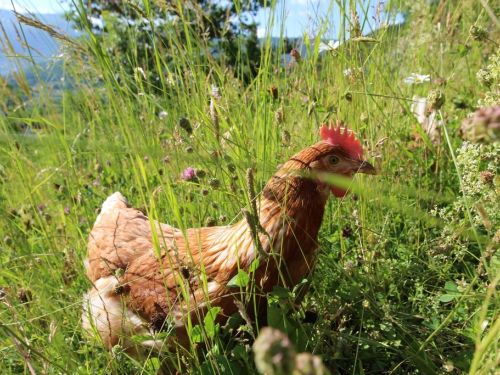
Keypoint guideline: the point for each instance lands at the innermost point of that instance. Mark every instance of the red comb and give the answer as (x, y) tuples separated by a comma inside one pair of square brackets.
[(347, 141)]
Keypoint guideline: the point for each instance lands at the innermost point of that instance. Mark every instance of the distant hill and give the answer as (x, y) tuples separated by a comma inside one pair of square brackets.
[(43, 46)]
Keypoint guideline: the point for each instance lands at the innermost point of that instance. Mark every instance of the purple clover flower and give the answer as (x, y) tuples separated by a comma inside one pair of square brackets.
[(66, 210), (188, 174)]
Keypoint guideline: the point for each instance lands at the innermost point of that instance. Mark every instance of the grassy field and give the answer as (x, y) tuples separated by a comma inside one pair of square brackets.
[(408, 271)]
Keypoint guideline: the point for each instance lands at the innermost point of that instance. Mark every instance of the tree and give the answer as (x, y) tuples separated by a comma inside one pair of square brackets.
[(151, 37)]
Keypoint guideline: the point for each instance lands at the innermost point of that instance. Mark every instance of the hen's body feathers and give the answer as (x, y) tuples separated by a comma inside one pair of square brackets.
[(140, 286)]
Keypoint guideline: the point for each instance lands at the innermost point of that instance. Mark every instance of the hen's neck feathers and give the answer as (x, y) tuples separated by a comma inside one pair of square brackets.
[(294, 196), (291, 209)]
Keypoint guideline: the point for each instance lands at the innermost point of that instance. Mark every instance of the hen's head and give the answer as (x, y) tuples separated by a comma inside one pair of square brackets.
[(339, 154)]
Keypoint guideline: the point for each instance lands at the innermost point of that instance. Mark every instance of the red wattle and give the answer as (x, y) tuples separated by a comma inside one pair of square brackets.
[(338, 192)]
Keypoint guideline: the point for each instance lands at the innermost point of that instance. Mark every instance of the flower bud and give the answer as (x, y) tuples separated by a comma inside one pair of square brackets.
[(478, 33), (436, 99)]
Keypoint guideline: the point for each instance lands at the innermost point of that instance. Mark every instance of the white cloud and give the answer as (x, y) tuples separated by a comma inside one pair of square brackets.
[(39, 7), (261, 32)]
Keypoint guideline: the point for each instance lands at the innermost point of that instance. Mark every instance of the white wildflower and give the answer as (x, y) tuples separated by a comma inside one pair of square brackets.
[(162, 115), (331, 46), (416, 79)]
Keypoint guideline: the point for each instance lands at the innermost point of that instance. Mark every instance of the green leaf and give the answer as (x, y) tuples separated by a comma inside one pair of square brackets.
[(210, 327), (280, 292), (141, 338), (197, 334), (241, 280), (254, 265), (451, 291)]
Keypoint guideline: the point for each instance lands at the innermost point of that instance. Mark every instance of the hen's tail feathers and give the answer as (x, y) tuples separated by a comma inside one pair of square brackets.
[(115, 201)]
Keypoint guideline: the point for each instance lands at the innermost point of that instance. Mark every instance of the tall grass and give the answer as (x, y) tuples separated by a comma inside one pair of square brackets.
[(396, 289)]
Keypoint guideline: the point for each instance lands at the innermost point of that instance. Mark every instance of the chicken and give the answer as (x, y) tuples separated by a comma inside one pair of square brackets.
[(147, 275)]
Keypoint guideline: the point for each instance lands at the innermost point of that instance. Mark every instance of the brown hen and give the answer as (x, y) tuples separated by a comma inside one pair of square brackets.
[(144, 278)]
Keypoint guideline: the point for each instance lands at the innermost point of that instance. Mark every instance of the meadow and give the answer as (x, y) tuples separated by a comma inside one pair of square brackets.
[(406, 280)]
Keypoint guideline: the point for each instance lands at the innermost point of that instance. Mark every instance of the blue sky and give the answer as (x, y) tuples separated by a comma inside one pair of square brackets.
[(299, 15)]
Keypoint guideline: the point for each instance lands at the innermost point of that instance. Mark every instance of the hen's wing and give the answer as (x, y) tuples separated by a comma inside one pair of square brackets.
[(120, 235)]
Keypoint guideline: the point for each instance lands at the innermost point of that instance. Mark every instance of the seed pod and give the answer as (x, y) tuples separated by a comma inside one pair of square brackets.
[(200, 173)]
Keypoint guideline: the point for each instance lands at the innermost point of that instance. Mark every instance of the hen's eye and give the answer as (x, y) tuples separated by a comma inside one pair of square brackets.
[(333, 160)]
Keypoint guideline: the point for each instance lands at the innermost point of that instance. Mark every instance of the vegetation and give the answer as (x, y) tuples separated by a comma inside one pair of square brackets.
[(407, 274)]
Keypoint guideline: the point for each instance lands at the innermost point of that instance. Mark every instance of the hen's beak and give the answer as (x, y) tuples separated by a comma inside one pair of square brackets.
[(367, 168)]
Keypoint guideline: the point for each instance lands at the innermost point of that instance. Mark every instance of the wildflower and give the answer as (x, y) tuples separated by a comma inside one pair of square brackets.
[(440, 81), (204, 192), (222, 218), (485, 78), (82, 220), (350, 267), (162, 115), (274, 353), (96, 182), (67, 210), (486, 177), (478, 33), (295, 55), (416, 79), (189, 150), (436, 99), (347, 72), (40, 206), (306, 363), (188, 174), (331, 46), (483, 126), (146, 158), (166, 159)]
